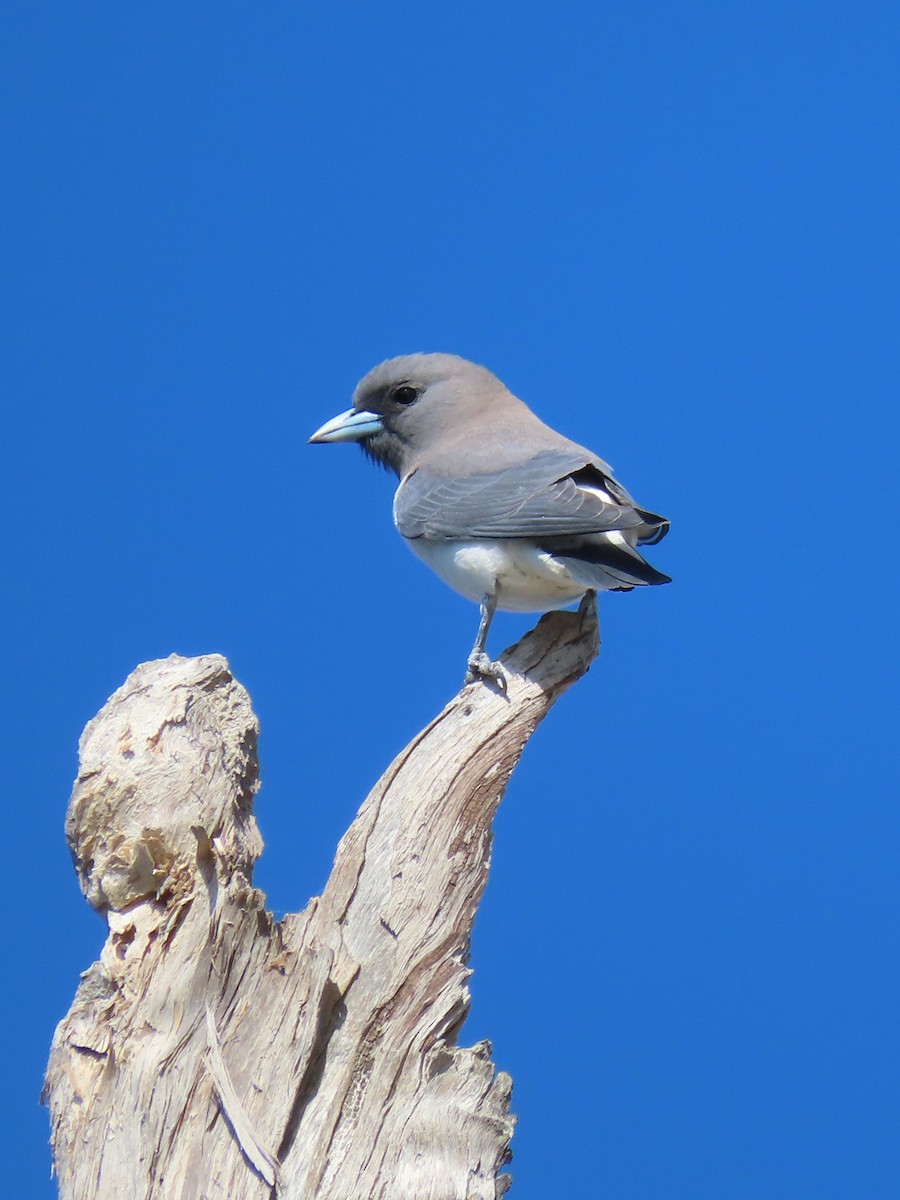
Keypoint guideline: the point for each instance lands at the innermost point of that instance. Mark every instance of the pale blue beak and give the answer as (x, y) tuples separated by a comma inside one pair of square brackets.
[(349, 426)]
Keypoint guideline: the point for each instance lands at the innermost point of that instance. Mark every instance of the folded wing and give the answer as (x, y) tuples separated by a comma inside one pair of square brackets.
[(554, 494)]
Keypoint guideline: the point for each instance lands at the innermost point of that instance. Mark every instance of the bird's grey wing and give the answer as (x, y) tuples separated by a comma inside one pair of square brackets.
[(554, 493)]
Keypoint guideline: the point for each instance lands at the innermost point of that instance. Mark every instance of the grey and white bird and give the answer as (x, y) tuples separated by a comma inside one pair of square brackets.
[(507, 511)]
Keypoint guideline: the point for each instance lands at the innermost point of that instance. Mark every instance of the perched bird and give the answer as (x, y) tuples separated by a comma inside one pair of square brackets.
[(507, 511)]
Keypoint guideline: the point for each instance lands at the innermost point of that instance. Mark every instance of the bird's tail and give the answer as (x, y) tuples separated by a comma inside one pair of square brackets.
[(609, 564)]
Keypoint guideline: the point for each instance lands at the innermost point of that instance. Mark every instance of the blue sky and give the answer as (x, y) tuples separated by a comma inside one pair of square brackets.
[(672, 229)]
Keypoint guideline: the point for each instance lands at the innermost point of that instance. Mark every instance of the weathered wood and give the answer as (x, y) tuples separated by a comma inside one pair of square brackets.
[(213, 1052)]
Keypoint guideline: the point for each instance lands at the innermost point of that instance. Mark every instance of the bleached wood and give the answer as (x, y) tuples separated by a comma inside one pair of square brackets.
[(213, 1052)]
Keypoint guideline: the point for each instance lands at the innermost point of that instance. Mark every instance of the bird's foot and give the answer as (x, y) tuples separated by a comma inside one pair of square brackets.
[(588, 612), (481, 667)]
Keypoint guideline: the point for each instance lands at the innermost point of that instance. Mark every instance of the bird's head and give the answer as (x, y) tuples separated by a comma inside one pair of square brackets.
[(405, 403)]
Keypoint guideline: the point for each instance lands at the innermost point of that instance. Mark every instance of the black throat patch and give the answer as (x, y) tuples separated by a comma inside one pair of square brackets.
[(385, 449)]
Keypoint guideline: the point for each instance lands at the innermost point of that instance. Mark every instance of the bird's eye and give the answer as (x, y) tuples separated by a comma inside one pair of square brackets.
[(404, 394)]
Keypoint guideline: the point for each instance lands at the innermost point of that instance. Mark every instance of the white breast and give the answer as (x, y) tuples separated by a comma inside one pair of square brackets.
[(523, 578)]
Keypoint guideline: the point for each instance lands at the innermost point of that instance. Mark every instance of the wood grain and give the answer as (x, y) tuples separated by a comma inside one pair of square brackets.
[(213, 1052)]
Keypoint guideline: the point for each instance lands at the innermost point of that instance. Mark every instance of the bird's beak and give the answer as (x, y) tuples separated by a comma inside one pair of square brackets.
[(350, 426)]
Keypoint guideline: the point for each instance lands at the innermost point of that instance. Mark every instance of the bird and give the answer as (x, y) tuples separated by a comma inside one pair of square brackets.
[(507, 512)]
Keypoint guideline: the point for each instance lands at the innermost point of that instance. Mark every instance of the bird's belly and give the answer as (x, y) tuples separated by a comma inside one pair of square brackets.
[(521, 576)]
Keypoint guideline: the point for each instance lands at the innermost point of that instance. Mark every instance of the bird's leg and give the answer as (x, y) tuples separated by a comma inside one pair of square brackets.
[(588, 612), (479, 665)]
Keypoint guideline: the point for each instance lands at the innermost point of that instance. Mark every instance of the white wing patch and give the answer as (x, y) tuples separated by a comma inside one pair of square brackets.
[(599, 492), (626, 538)]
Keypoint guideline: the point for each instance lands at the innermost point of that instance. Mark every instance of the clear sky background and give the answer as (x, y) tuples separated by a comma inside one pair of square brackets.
[(672, 229)]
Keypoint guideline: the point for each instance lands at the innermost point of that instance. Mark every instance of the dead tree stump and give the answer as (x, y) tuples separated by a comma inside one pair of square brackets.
[(213, 1052)]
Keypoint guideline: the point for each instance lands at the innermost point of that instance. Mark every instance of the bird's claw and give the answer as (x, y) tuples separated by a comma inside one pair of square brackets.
[(481, 667)]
